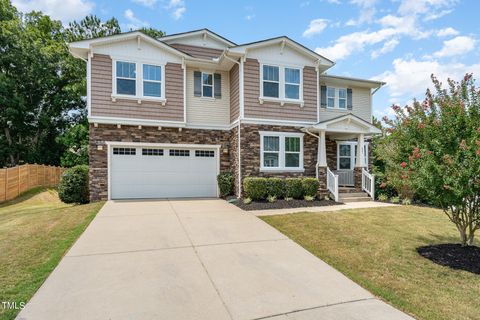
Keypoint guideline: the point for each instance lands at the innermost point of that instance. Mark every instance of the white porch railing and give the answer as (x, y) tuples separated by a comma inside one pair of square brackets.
[(345, 177), (368, 183), (332, 184)]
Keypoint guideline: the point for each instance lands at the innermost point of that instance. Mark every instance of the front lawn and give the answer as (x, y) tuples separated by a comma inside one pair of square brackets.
[(377, 249), (36, 230)]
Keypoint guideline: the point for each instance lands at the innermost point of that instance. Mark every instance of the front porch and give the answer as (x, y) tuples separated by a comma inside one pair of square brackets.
[(343, 155)]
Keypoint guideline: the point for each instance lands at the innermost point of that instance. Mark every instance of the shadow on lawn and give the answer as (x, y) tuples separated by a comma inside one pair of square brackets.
[(453, 255)]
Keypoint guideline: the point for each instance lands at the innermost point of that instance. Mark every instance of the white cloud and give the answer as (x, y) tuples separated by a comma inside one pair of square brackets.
[(133, 22), (250, 16), (428, 7), (447, 32), (304, 4), (437, 15), (333, 1), (146, 3), (315, 27), (64, 10), (388, 46), (177, 8), (410, 78), (367, 12), (456, 46)]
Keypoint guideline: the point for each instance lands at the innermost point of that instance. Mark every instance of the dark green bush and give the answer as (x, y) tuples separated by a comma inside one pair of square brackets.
[(276, 187), (310, 187), (73, 187), (294, 188), (255, 188), (225, 183)]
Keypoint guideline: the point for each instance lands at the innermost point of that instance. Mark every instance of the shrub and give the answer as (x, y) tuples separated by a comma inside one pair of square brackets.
[(293, 188), (310, 187), (247, 200), (288, 198), (255, 188), (309, 198), (73, 187), (271, 199), (276, 187), (383, 197), (407, 201), (395, 200), (225, 183)]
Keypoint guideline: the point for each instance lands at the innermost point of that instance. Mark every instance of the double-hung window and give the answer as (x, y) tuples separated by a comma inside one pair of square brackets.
[(342, 98), (281, 151), (271, 81), (152, 80), (292, 83), (336, 98), (207, 85), (331, 97), (126, 78)]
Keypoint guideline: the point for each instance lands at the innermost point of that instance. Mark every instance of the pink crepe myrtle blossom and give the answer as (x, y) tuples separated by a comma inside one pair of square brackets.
[(403, 164)]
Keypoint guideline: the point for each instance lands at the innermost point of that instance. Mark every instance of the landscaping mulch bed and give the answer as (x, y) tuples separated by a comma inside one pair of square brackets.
[(454, 256), (283, 204)]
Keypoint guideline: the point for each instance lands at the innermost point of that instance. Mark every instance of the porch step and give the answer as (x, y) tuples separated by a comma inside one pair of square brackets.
[(354, 197), (347, 190)]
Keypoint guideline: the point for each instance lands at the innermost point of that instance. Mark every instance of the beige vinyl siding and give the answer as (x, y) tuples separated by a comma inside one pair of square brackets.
[(361, 102), (101, 90), (198, 52), (274, 110), (208, 111), (234, 93)]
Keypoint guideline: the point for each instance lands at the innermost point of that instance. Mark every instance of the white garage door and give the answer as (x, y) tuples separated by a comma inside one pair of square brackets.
[(143, 172)]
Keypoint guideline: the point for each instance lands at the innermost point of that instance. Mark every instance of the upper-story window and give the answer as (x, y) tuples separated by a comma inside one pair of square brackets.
[(152, 80), (271, 83), (336, 98), (126, 78), (138, 80), (292, 83), (207, 85), (282, 83)]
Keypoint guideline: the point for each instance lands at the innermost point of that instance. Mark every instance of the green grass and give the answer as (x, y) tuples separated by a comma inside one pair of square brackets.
[(36, 230), (376, 249)]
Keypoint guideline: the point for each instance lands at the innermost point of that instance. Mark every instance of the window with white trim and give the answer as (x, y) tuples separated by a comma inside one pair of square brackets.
[(292, 83), (347, 155), (271, 81), (336, 98), (126, 78), (207, 84), (281, 151), (152, 80), (281, 82)]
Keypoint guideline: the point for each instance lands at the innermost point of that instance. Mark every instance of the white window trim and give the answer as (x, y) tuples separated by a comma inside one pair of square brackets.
[(138, 82), (337, 98), (281, 85), (153, 81), (281, 153), (212, 85), (353, 154)]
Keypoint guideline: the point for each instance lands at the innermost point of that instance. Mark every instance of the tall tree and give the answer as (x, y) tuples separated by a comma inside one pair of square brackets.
[(433, 150), (91, 27)]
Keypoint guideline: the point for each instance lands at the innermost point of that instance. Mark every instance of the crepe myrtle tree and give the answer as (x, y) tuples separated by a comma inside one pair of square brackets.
[(432, 150)]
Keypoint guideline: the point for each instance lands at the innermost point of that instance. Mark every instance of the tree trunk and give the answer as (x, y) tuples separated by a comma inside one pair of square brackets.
[(471, 236), (463, 236)]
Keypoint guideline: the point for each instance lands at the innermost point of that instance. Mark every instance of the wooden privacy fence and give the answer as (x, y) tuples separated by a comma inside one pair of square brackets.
[(14, 181)]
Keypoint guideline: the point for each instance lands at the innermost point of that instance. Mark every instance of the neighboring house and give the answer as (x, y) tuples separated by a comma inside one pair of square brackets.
[(167, 115)]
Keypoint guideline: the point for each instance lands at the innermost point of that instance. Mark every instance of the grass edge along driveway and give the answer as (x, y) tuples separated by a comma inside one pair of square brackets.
[(36, 230), (376, 247)]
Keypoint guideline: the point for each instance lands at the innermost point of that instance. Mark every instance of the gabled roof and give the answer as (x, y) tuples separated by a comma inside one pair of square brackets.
[(198, 32), (287, 41), (80, 48), (329, 125)]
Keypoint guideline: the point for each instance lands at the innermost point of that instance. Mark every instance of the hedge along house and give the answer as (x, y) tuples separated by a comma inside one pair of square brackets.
[(167, 115)]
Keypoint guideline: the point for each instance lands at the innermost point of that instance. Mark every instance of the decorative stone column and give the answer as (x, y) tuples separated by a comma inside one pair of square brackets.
[(360, 162), (322, 179), (322, 165)]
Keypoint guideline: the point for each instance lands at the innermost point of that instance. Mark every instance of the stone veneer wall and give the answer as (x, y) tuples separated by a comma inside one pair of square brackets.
[(106, 132)]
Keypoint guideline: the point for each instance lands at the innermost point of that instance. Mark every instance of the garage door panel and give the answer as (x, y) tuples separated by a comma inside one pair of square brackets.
[(163, 176)]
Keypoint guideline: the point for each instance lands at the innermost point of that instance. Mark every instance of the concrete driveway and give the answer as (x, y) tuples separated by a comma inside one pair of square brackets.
[(195, 259)]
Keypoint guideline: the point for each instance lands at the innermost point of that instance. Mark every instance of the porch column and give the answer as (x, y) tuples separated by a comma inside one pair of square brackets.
[(322, 150), (322, 164), (360, 154), (360, 162)]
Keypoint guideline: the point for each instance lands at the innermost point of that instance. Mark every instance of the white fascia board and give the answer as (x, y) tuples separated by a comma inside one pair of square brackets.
[(196, 33)]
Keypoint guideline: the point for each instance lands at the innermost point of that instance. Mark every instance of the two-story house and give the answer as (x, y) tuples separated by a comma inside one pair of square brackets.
[(167, 115)]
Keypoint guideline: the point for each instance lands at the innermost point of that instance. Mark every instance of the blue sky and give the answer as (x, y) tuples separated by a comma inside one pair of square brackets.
[(400, 42)]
